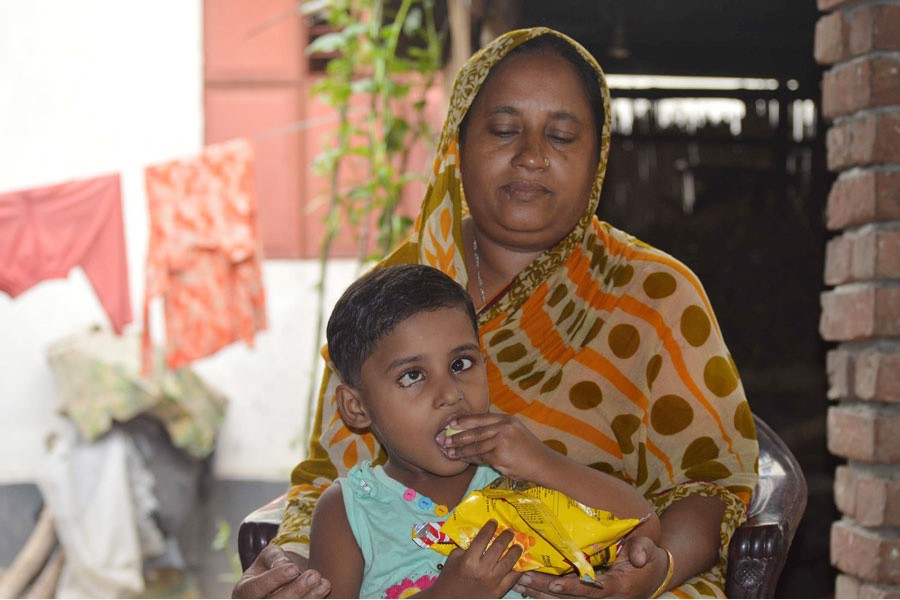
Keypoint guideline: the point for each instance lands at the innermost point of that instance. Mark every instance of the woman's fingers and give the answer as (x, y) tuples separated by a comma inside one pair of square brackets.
[(309, 585), (544, 585)]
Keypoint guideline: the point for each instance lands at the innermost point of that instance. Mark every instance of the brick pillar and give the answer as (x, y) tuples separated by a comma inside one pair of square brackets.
[(860, 41)]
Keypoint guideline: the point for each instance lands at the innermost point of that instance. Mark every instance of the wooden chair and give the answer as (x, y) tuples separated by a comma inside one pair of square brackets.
[(758, 548)]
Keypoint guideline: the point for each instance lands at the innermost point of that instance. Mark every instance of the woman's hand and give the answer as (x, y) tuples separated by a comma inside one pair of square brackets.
[(481, 571), (637, 572), (275, 575), (501, 441)]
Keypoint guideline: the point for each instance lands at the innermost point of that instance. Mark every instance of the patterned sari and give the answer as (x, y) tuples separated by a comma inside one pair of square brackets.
[(605, 347)]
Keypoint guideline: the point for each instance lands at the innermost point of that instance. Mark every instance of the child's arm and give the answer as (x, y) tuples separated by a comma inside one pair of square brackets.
[(333, 550), (508, 445)]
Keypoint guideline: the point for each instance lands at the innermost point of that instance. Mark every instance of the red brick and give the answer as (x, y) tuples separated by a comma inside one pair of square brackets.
[(877, 590), (842, 35), (825, 5), (840, 365), (851, 587), (868, 432), (863, 196), (887, 252), (838, 260), (864, 256), (873, 28), (871, 252), (845, 490), (832, 36), (887, 311), (864, 83), (869, 555), (877, 502), (846, 587), (876, 373), (867, 139), (871, 496), (871, 373), (847, 313), (857, 312)]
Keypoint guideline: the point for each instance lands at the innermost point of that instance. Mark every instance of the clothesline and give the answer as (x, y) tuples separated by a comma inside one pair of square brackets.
[(204, 256)]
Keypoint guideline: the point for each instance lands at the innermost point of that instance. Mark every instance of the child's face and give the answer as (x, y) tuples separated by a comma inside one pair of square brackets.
[(423, 374)]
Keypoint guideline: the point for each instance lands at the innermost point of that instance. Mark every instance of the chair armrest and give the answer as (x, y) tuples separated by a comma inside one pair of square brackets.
[(755, 560), (759, 547), (258, 529)]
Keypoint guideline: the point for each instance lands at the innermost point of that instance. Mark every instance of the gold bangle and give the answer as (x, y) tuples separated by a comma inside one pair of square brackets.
[(665, 584)]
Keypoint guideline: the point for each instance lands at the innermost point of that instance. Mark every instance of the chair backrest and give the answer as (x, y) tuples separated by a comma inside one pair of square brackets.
[(758, 549)]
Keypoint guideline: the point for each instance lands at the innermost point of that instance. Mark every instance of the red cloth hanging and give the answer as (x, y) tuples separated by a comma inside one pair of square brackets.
[(46, 231), (204, 257)]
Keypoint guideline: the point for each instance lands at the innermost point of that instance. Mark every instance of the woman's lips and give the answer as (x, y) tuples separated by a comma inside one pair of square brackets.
[(524, 190)]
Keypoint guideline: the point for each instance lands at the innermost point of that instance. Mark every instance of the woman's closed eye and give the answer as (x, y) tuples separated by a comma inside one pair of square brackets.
[(561, 137), (504, 132)]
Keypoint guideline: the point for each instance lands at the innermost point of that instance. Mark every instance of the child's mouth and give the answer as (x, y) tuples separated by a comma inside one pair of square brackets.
[(446, 433)]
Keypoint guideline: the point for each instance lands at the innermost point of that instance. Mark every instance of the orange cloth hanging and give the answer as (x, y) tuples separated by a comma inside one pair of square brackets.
[(46, 231), (204, 256)]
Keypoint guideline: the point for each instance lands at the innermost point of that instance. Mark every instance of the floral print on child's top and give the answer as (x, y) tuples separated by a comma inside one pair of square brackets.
[(204, 256)]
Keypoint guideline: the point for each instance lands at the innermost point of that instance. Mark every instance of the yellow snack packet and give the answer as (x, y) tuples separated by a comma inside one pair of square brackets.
[(556, 532)]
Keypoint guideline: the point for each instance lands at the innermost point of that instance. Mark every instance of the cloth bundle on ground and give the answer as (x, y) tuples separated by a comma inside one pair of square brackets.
[(99, 381)]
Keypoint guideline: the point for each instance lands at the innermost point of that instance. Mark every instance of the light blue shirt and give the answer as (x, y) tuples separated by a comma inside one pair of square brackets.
[(381, 519)]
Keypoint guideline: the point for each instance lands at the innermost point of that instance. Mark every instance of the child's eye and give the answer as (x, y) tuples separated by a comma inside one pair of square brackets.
[(409, 378), (461, 364)]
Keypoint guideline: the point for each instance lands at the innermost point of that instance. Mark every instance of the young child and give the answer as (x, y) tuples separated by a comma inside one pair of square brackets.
[(405, 341)]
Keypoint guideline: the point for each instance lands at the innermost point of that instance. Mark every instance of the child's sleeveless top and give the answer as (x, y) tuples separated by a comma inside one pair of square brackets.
[(382, 512)]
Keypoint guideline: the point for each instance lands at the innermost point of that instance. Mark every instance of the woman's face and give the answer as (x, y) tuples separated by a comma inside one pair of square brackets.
[(532, 108)]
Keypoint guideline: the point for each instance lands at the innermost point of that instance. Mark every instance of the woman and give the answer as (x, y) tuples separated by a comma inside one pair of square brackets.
[(606, 348)]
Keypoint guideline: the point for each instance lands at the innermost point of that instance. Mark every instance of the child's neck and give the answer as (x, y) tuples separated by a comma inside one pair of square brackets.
[(442, 490)]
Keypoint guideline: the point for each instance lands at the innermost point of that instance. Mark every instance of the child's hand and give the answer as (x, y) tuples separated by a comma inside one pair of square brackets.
[(482, 571), (501, 441)]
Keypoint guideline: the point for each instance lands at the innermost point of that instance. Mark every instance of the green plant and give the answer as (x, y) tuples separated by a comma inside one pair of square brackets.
[(385, 57), (221, 543)]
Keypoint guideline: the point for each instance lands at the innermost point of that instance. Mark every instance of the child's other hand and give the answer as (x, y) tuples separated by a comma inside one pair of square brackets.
[(503, 442), (482, 571)]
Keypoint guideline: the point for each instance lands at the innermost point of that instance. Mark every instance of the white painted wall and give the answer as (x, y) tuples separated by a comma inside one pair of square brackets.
[(99, 86)]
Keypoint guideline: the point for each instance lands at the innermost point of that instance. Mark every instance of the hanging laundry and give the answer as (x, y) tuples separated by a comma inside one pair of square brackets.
[(46, 231), (204, 257)]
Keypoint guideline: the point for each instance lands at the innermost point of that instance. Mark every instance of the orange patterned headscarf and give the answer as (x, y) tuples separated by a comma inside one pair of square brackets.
[(605, 347)]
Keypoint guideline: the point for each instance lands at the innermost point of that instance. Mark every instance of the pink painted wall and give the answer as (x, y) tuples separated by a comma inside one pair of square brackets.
[(257, 84)]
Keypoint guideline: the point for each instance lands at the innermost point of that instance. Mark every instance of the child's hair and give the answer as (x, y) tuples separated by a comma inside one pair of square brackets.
[(380, 300)]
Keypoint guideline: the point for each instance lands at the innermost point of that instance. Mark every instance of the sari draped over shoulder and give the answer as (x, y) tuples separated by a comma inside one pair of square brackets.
[(605, 347)]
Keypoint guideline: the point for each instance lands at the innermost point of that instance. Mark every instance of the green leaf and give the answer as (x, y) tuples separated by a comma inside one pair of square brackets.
[(330, 42), (413, 21), (222, 537), (363, 86)]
